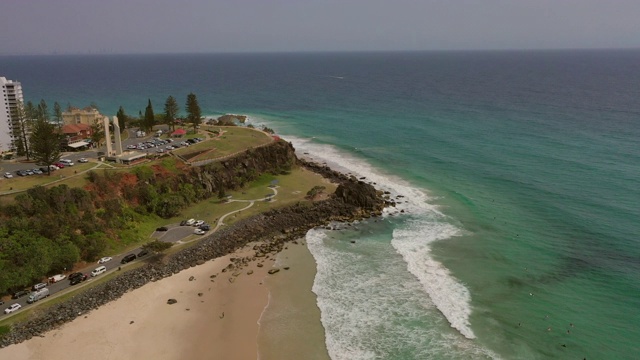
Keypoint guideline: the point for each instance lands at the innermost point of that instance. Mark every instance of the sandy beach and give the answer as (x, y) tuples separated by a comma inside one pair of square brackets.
[(214, 318)]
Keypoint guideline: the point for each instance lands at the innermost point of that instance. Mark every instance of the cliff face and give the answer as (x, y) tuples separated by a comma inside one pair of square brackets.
[(234, 172)]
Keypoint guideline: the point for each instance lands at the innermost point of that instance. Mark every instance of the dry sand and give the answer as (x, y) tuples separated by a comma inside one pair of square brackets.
[(227, 321), (219, 324)]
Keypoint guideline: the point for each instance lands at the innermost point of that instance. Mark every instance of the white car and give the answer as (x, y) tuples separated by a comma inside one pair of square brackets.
[(198, 223), (199, 231), (8, 175), (191, 221), (12, 308), (105, 259), (56, 278), (159, 150), (83, 160)]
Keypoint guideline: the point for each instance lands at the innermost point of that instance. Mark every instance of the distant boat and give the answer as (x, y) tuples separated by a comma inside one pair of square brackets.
[(336, 77)]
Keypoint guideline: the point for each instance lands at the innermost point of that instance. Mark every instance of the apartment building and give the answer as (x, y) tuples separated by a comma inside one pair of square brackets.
[(10, 97)]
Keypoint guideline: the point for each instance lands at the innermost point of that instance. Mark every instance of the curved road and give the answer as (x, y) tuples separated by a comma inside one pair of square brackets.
[(175, 234)]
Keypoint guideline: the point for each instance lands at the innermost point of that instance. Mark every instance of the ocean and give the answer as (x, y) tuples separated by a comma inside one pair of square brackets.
[(517, 177)]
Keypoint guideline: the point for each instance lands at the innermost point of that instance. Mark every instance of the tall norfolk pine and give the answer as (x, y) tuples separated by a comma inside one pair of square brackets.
[(194, 114)]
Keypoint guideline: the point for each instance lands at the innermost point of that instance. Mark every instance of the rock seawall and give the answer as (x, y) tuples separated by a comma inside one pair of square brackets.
[(352, 200)]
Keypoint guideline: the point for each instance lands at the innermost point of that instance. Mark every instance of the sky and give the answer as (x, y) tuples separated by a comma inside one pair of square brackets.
[(212, 26)]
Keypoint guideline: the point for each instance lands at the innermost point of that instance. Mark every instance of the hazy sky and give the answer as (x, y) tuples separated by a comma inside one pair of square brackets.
[(163, 26)]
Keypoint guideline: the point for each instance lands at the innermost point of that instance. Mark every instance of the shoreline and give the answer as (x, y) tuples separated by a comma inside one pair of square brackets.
[(229, 308)]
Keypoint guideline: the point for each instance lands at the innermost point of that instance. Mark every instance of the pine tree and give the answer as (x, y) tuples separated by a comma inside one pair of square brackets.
[(24, 117), (43, 111), (122, 119), (171, 111), (45, 142), (194, 115), (57, 112), (149, 118)]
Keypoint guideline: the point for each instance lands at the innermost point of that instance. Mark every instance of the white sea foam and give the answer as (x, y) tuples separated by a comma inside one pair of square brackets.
[(412, 239)]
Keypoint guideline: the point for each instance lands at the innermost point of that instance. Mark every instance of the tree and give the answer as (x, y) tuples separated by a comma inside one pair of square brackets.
[(149, 118), (157, 246), (45, 142), (23, 116), (171, 111), (42, 111), (122, 118), (97, 133), (194, 115), (57, 113)]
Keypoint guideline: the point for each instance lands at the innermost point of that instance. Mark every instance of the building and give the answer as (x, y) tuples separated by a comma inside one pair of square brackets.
[(75, 136), (88, 116), (9, 123)]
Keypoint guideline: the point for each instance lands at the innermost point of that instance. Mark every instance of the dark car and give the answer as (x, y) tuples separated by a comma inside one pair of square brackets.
[(205, 227), (162, 228), (128, 258), (183, 223), (78, 279), (74, 275), (143, 253), (19, 294)]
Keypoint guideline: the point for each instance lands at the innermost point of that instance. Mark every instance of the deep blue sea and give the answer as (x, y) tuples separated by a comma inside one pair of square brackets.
[(519, 174)]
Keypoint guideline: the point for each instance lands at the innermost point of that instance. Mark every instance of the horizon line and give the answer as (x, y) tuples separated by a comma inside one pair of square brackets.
[(250, 52)]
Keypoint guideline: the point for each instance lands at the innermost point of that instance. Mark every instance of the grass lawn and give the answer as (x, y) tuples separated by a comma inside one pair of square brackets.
[(26, 182), (233, 140)]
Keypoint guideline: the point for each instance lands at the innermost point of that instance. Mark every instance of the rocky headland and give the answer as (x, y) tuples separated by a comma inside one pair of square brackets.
[(271, 230)]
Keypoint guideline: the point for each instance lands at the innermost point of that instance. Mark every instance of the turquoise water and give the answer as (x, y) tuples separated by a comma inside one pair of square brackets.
[(519, 172)]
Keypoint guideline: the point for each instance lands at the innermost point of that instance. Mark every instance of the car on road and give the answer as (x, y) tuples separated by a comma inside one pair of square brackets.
[(67, 162), (12, 308), (128, 258), (78, 279), (83, 160), (8, 175), (199, 231), (105, 259), (20, 293), (142, 253), (56, 278), (198, 223), (99, 270), (38, 286), (162, 228)]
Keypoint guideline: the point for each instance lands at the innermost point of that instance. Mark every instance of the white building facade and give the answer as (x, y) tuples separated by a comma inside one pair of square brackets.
[(10, 97)]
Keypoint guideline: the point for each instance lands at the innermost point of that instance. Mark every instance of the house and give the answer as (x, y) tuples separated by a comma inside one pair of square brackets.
[(76, 135)]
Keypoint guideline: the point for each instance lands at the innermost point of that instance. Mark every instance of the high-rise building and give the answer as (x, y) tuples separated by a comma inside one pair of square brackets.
[(9, 124)]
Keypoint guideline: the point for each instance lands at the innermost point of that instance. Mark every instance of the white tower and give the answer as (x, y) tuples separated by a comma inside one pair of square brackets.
[(107, 135), (116, 135)]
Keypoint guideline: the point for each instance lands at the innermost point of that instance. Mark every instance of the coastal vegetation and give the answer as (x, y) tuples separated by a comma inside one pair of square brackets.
[(48, 229)]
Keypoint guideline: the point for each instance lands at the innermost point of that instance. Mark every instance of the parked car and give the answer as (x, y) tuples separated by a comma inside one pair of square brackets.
[(191, 222), (36, 171), (105, 259), (78, 279), (28, 172), (38, 286), (67, 162), (20, 293), (83, 160), (21, 173), (8, 175), (56, 278), (99, 270), (162, 228), (59, 165), (142, 253), (128, 258), (12, 308), (205, 227), (183, 223), (75, 275), (198, 223), (199, 231)]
